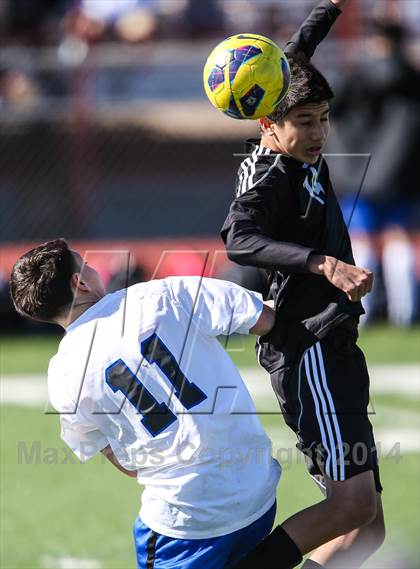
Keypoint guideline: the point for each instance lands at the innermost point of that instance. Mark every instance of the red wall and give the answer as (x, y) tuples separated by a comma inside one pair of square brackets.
[(159, 257)]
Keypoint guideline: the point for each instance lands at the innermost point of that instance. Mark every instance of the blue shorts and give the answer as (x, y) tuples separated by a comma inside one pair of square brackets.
[(155, 551)]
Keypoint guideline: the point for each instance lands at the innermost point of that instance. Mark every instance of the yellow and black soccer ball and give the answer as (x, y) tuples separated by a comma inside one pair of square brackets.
[(246, 76)]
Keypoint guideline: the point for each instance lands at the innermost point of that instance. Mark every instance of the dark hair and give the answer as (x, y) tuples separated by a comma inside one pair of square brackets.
[(388, 29), (307, 85), (40, 280)]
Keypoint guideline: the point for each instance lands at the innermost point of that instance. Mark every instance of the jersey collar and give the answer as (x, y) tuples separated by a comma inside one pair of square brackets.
[(252, 143)]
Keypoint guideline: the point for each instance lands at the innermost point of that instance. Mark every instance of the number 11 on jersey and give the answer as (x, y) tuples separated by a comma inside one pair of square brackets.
[(156, 416)]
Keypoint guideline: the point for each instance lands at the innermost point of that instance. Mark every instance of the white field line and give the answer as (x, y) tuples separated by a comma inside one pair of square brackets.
[(25, 391), (401, 379), (68, 562), (393, 379)]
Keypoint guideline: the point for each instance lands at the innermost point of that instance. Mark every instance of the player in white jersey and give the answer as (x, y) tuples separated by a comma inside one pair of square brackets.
[(141, 377)]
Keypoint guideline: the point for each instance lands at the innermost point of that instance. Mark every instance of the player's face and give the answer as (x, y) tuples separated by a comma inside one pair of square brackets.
[(303, 133), (89, 276)]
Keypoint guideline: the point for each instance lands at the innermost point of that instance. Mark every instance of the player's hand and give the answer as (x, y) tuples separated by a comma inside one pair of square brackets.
[(339, 3), (355, 282), (265, 321)]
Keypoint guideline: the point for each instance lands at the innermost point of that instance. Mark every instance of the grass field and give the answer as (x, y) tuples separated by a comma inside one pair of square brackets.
[(57, 513)]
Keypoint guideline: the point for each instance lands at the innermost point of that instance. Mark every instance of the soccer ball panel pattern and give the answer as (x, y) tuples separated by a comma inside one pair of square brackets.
[(246, 76)]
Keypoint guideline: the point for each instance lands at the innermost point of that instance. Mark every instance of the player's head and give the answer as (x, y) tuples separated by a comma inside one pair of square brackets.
[(51, 279), (299, 126), (386, 36)]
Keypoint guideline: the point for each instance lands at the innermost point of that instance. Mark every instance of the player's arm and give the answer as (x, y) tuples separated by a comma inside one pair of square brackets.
[(354, 281), (247, 243), (314, 29), (339, 3), (265, 321), (246, 232), (222, 308), (107, 452)]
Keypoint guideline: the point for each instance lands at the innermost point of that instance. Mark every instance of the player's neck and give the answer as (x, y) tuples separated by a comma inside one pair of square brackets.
[(273, 143), (76, 310), (268, 142)]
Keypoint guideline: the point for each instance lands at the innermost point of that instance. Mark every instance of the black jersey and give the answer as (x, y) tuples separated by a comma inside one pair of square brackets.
[(285, 210)]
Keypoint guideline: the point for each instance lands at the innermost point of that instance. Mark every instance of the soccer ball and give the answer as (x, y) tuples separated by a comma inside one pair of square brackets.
[(246, 76)]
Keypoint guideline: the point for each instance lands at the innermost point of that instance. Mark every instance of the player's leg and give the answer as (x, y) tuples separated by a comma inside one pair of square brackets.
[(400, 217), (354, 548), (325, 402), (350, 504), (335, 372), (398, 268)]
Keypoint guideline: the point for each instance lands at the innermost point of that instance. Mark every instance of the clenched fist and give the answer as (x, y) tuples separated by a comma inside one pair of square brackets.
[(355, 282)]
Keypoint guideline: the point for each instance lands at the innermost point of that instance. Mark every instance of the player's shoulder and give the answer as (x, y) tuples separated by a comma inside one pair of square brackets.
[(183, 289), (148, 289), (170, 289), (190, 290), (261, 167)]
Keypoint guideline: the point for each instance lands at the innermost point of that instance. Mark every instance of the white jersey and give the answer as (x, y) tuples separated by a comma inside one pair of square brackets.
[(142, 370)]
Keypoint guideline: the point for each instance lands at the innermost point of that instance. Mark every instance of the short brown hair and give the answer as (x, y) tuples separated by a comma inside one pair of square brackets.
[(307, 85), (40, 280)]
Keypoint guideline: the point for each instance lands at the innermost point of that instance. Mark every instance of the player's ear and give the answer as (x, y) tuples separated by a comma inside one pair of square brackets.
[(78, 283), (266, 126)]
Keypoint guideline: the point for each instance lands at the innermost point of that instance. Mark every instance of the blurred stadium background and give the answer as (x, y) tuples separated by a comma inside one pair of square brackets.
[(106, 139)]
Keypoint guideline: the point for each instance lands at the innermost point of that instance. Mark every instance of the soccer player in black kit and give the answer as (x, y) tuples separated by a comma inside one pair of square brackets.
[(286, 220)]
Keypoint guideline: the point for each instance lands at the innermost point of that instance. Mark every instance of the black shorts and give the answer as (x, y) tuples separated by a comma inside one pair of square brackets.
[(324, 398)]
